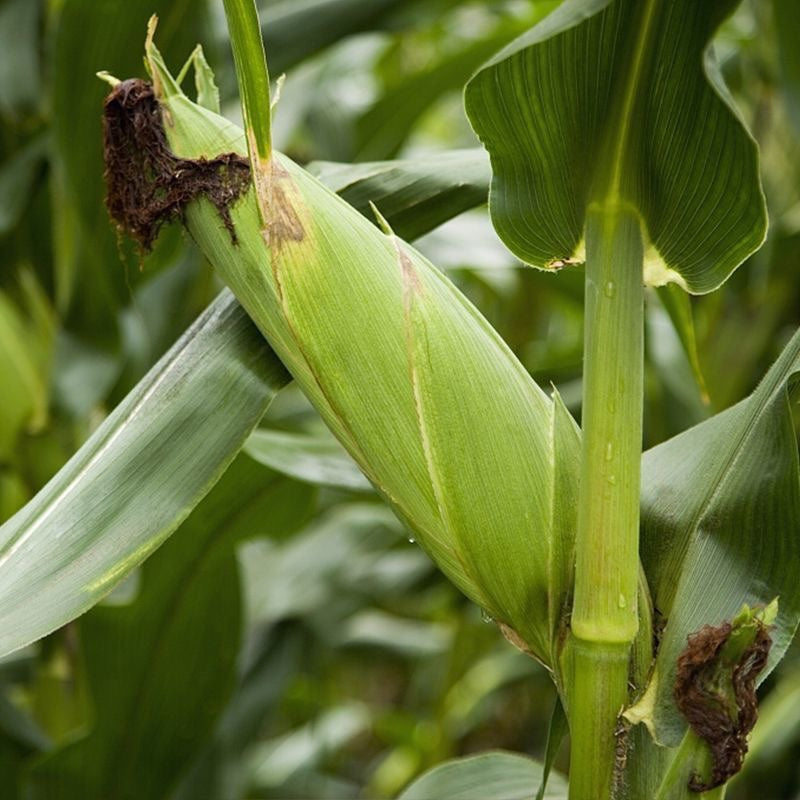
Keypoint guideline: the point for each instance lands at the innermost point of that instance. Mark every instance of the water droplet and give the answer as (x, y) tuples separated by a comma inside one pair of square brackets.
[(612, 479), (622, 602), (610, 289), (411, 540), (486, 616), (609, 451)]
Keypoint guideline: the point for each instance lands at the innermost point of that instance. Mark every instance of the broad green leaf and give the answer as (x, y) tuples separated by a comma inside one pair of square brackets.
[(137, 477), (720, 515), (310, 457), (151, 715), (501, 776), (618, 101), (413, 195)]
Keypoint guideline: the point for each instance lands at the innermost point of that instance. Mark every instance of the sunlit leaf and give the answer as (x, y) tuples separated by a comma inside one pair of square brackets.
[(315, 458), (137, 477)]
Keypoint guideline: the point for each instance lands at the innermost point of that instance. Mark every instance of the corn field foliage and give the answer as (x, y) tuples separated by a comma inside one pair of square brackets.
[(419, 423)]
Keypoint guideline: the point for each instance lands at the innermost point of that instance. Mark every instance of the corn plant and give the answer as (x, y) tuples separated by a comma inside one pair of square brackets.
[(658, 589)]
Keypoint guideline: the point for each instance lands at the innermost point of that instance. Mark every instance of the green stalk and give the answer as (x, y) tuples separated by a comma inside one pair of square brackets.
[(604, 619)]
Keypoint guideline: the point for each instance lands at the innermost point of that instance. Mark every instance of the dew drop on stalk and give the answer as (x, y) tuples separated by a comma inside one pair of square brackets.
[(609, 451), (411, 540), (486, 616), (610, 288), (621, 601), (612, 479)]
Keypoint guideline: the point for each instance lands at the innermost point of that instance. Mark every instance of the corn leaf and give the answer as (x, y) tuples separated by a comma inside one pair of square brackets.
[(618, 93), (501, 776), (414, 195), (137, 477), (311, 457), (150, 717), (720, 515)]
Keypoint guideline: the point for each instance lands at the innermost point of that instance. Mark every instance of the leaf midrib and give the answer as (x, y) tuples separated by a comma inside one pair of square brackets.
[(612, 194)]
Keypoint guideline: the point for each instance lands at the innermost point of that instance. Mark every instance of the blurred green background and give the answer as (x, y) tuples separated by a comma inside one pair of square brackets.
[(289, 641)]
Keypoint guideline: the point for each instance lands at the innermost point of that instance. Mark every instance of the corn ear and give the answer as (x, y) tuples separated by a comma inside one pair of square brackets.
[(424, 394)]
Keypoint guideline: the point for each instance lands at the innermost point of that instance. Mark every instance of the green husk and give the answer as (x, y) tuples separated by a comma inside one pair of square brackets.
[(424, 394)]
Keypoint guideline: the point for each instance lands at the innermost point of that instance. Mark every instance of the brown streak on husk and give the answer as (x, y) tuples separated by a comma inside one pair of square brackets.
[(147, 184), (705, 709), (285, 225)]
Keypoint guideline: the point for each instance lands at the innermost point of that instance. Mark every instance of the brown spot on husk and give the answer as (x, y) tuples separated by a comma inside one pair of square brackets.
[(285, 225), (708, 710), (147, 184)]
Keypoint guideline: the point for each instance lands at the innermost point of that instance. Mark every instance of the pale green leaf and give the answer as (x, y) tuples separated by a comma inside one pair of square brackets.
[(311, 457), (137, 477), (720, 515), (613, 101), (501, 776)]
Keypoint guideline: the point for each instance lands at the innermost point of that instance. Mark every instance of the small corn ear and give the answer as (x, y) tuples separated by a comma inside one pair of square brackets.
[(424, 394)]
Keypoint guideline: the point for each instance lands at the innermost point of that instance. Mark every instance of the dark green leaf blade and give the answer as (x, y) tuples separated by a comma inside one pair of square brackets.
[(720, 515), (138, 476), (162, 668), (615, 96), (414, 196)]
